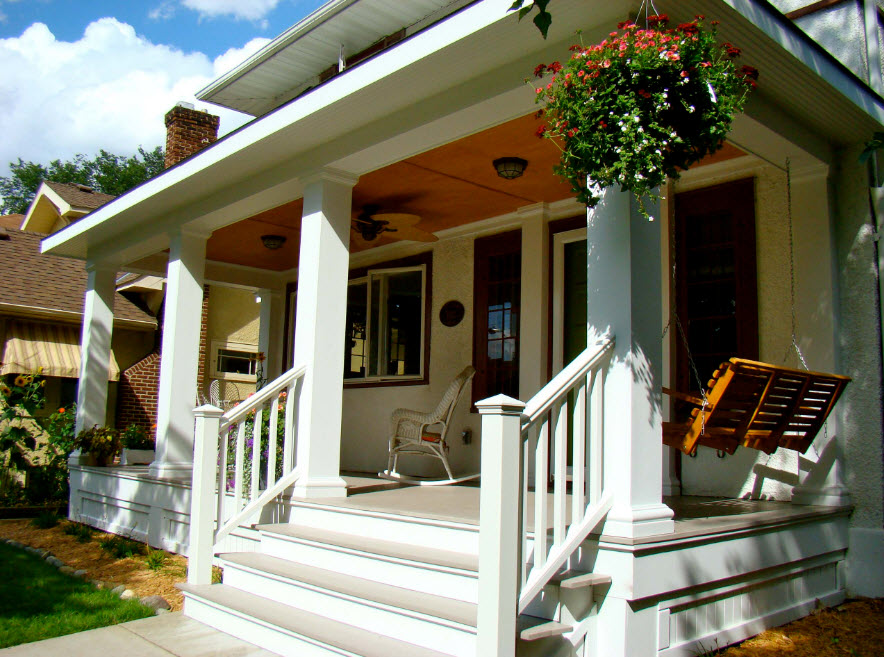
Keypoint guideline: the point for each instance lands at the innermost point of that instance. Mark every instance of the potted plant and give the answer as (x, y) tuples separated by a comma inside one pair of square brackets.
[(102, 443), (642, 105), (138, 446)]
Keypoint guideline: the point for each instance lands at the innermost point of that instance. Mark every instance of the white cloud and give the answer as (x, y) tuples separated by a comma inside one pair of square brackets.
[(252, 10), (110, 89)]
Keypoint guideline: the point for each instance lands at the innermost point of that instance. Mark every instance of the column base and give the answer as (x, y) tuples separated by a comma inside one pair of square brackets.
[(163, 470), (821, 496), (639, 521), (319, 487), (80, 458)]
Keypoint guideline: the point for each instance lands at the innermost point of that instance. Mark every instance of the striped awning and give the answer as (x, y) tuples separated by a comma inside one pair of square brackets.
[(54, 347)]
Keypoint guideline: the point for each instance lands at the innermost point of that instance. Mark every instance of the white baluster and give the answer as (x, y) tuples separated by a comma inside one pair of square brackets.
[(224, 440), (271, 449), (240, 466), (578, 457), (256, 454), (541, 478), (560, 484)]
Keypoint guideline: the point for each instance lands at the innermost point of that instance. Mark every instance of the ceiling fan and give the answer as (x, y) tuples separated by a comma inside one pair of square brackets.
[(401, 226)]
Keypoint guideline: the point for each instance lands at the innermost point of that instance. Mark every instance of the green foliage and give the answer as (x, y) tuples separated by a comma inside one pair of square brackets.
[(106, 172), (83, 533), (642, 105), (217, 574), (103, 443), (121, 547), (156, 559), (136, 437), (264, 451), (20, 397), (542, 20), (45, 520), (876, 143), (38, 602)]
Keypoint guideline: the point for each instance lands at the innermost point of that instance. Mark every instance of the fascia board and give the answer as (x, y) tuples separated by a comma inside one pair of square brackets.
[(36, 312), (45, 192)]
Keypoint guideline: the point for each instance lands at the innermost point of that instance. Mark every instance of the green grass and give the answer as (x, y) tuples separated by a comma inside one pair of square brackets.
[(37, 602)]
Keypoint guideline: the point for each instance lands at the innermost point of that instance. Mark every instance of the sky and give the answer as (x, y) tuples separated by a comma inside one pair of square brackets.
[(77, 76)]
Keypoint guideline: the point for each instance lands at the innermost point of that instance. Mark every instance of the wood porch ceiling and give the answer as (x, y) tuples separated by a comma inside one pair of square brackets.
[(449, 186)]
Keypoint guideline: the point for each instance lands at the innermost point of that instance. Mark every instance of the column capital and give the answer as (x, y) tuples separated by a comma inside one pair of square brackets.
[(534, 211), (188, 231), (330, 174), (99, 266)]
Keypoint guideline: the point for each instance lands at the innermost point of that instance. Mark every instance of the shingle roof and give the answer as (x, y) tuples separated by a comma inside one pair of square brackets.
[(48, 282), (11, 220), (79, 196)]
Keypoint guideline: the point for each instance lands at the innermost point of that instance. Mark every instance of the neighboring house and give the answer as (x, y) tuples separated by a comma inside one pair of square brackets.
[(362, 111), (57, 205), (11, 220), (41, 314)]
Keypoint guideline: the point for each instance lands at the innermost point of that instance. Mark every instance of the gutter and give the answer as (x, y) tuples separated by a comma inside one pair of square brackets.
[(36, 312)]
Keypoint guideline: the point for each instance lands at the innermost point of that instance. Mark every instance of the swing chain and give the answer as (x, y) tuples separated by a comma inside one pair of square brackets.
[(646, 5)]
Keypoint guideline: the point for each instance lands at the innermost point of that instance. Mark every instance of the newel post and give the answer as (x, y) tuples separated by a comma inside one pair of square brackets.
[(499, 516), (202, 506)]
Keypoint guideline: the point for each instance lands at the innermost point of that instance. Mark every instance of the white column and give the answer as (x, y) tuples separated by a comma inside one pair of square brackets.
[(95, 349), (179, 363), (534, 310), (270, 326), (624, 299), (319, 341)]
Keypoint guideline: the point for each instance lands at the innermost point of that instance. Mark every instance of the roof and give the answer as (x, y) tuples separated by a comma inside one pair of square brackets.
[(80, 196), (11, 220), (48, 286)]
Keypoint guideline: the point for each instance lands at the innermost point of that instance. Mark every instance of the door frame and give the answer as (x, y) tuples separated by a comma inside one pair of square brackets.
[(557, 334)]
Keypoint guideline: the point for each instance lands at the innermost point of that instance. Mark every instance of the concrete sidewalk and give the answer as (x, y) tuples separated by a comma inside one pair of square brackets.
[(159, 636)]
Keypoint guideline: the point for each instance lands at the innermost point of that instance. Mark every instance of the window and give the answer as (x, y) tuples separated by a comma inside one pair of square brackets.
[(386, 320), (498, 272), (234, 361)]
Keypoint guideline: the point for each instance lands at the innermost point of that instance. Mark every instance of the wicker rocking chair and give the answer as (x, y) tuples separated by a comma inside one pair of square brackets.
[(424, 434)]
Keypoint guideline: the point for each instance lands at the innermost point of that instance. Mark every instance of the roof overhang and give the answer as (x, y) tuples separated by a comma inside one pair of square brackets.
[(67, 316), (457, 77)]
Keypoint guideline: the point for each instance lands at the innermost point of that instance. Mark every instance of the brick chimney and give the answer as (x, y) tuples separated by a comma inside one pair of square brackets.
[(188, 131)]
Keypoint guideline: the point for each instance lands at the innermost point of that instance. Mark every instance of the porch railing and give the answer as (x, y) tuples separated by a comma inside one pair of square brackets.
[(240, 465), (570, 410)]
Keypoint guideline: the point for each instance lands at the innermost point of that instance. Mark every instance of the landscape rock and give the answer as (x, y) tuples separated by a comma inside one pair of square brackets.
[(155, 602), (97, 583), (16, 544), (79, 573), (42, 553), (128, 594), (161, 611), (54, 561), (118, 590)]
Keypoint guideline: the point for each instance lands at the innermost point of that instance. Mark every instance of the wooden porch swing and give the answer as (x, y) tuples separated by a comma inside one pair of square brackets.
[(752, 404)]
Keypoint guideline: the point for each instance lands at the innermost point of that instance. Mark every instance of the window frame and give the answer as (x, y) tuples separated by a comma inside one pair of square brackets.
[(366, 279), (217, 346)]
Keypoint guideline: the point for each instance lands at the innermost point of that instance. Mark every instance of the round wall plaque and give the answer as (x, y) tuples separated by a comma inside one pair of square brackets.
[(451, 313)]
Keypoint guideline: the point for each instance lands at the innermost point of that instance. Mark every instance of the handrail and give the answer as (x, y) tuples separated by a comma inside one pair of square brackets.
[(562, 382), (262, 396), (270, 494)]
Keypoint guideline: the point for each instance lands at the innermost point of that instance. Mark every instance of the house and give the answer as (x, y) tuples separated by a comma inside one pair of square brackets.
[(363, 112)]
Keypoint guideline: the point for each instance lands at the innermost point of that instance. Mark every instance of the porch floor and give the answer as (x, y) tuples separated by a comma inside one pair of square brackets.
[(693, 515)]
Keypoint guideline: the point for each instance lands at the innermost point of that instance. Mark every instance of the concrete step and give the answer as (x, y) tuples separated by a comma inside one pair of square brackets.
[(423, 619), (428, 570), (288, 631)]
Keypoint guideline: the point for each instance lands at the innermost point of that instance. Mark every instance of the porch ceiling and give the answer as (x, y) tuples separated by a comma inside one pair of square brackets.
[(448, 186)]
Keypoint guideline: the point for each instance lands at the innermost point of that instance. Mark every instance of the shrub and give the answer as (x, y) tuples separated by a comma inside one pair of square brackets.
[(46, 520), (83, 533), (136, 437), (121, 547)]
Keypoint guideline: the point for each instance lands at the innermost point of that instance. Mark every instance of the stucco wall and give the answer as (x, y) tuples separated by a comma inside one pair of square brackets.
[(233, 317), (131, 346), (366, 420), (750, 472)]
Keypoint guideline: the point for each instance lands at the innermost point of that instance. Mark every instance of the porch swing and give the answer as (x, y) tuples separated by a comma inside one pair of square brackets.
[(753, 404)]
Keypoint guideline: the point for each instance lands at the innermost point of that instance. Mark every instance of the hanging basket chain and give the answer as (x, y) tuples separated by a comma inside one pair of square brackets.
[(794, 345)]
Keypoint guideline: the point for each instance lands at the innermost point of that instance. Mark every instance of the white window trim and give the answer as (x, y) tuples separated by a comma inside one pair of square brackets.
[(365, 280), (217, 345)]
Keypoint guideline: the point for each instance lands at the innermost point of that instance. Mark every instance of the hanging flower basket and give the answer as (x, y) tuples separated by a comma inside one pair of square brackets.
[(641, 105)]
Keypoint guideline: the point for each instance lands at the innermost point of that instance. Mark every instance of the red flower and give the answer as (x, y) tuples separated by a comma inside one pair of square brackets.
[(688, 28), (555, 67), (700, 17), (660, 19), (731, 50), (749, 72), (541, 131), (538, 70), (606, 63)]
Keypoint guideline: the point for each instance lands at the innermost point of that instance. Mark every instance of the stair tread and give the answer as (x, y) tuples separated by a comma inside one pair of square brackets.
[(456, 611), (576, 580), (330, 632), (405, 551), (542, 629)]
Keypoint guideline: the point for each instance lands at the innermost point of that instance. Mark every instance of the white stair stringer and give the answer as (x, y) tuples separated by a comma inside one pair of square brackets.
[(285, 630), (432, 571), (422, 619)]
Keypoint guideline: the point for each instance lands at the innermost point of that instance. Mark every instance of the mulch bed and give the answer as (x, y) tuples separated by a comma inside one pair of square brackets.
[(99, 565)]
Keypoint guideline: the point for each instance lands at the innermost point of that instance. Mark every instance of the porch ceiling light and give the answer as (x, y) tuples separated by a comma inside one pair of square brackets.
[(510, 167), (273, 242)]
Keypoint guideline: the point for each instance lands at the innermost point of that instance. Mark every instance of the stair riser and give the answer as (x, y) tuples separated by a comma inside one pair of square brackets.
[(459, 585), (435, 634), (259, 634), (425, 533)]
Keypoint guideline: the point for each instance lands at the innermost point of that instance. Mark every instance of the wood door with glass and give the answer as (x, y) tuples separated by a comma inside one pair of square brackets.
[(716, 279), (496, 296)]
